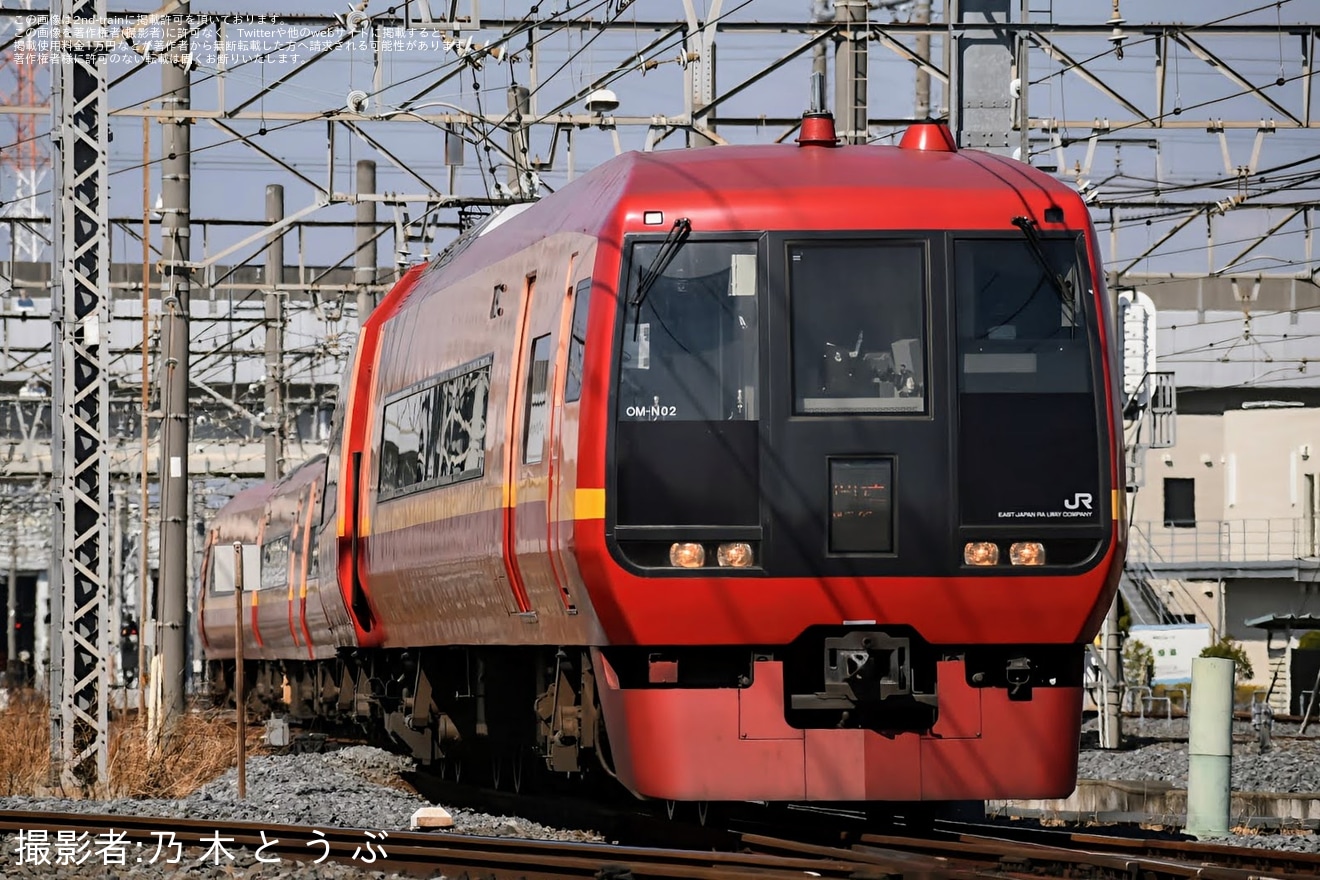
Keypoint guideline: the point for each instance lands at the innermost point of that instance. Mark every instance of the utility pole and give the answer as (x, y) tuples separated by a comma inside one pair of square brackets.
[(12, 677), (850, 71), (274, 336), (176, 195), (921, 15), (114, 659), (80, 331), (364, 259)]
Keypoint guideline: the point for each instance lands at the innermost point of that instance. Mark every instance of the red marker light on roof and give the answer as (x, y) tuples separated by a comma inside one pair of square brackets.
[(931, 137), (817, 131)]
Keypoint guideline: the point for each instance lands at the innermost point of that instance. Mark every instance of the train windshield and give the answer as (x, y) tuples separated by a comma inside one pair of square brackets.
[(1027, 404), (688, 387), (858, 329), (690, 347), (1018, 332)]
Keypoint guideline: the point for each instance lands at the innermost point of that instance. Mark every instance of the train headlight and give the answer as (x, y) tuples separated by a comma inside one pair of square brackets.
[(1027, 553), (687, 554), (735, 555), (981, 553)]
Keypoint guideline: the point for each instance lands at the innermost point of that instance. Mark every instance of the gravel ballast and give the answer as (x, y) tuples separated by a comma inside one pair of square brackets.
[(356, 787), (1290, 765), (361, 787), (1157, 751)]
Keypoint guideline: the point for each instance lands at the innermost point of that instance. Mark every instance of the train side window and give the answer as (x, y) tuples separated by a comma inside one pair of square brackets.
[(536, 415), (436, 435), (222, 569), (313, 559), (577, 343), (275, 563), (858, 327)]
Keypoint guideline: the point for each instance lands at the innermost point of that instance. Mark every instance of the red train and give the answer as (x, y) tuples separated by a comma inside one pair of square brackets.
[(776, 473)]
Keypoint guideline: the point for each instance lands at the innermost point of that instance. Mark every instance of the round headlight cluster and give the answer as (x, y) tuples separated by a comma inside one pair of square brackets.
[(1027, 553), (689, 554), (981, 553), (1019, 553), (735, 555)]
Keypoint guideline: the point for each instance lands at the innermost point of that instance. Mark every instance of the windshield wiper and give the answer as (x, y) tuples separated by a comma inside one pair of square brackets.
[(677, 237), (1061, 285)]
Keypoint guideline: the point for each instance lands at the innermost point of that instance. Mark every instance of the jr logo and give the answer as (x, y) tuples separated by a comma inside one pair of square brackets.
[(1079, 501)]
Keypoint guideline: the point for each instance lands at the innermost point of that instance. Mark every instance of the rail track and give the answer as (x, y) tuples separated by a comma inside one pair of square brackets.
[(942, 855)]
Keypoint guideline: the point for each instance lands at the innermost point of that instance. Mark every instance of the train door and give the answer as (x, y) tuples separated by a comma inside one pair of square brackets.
[(301, 550), (297, 562), (514, 445), (270, 602), (564, 428), (534, 399), (307, 570)]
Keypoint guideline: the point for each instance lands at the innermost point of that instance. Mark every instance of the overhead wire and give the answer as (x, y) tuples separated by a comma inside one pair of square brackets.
[(1065, 68)]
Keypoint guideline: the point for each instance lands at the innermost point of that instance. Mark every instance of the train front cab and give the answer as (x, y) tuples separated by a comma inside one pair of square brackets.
[(860, 514)]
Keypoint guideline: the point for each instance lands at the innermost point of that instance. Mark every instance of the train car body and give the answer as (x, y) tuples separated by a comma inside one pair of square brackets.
[(772, 473)]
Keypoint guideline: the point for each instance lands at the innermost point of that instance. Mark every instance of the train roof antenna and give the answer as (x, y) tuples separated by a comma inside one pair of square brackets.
[(818, 93)]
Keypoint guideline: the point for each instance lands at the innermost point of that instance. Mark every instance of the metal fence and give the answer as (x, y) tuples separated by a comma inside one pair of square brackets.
[(1273, 539)]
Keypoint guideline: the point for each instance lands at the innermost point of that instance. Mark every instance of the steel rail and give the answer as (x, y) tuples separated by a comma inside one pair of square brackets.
[(447, 852), (1122, 856), (1244, 857), (953, 856)]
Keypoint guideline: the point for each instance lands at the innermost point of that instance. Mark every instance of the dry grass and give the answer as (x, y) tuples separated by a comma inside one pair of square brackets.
[(24, 743), (199, 748)]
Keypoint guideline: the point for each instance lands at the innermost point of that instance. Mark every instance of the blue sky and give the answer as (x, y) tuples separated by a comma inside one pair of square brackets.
[(229, 179)]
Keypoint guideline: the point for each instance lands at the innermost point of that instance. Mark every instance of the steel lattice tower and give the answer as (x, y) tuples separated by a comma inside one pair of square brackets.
[(80, 312)]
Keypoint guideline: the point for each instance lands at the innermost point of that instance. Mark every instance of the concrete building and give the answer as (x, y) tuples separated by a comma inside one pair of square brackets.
[(1226, 528)]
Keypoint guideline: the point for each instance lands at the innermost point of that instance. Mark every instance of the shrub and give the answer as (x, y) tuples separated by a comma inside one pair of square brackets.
[(1138, 660), (1310, 641), (1231, 650)]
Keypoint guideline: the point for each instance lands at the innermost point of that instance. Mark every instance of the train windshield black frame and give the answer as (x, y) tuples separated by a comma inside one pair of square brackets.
[(1030, 407), (859, 327), (1016, 331), (687, 387), (690, 348)]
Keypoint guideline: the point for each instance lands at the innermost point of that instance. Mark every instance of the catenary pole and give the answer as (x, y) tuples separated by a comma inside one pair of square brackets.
[(364, 258), (275, 336), (176, 197), (144, 491), (850, 70), (12, 677), (921, 15), (80, 331)]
